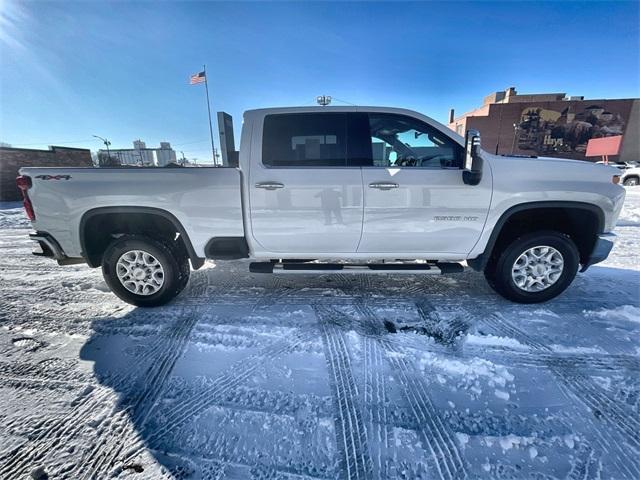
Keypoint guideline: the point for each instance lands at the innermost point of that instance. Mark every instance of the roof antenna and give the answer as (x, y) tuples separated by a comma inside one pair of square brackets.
[(323, 100)]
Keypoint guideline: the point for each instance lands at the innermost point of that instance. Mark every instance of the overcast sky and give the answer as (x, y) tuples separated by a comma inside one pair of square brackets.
[(120, 70)]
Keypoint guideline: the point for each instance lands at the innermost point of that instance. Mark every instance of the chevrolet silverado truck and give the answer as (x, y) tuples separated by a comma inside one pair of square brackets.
[(319, 190)]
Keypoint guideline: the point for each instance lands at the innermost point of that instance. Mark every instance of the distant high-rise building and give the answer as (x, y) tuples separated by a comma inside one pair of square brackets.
[(165, 154), (142, 156), (139, 144)]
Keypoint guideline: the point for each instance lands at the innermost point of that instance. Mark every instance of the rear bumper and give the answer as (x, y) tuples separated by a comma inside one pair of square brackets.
[(601, 250), (50, 248)]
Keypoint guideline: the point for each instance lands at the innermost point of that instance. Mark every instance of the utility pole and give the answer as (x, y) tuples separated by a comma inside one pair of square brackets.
[(106, 144)]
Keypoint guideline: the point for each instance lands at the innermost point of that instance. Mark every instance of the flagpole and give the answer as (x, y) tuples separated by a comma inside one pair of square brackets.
[(206, 87)]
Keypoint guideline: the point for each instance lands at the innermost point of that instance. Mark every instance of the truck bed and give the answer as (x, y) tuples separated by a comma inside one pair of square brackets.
[(205, 200)]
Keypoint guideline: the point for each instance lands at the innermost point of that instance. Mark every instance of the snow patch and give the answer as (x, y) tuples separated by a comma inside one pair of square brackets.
[(463, 439), (625, 312), (471, 370), (544, 311), (501, 394), (576, 349), (510, 441), (494, 341)]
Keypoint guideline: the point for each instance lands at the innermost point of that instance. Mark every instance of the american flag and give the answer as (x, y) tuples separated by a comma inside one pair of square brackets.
[(198, 78)]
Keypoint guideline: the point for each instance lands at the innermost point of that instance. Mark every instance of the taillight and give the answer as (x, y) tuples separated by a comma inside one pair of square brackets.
[(24, 183)]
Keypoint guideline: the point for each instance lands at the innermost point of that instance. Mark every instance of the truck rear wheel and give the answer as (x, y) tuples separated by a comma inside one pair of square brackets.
[(144, 271), (534, 268)]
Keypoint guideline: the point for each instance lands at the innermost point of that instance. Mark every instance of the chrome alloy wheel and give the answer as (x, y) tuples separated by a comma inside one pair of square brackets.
[(140, 272), (537, 268)]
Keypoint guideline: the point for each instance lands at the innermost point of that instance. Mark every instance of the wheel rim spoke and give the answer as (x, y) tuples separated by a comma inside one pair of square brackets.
[(140, 272), (537, 268)]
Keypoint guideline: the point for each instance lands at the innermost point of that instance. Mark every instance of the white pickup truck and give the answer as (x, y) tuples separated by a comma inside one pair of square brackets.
[(333, 189)]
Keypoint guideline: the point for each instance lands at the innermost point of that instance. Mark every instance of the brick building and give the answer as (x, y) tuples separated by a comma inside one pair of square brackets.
[(552, 124), (12, 159)]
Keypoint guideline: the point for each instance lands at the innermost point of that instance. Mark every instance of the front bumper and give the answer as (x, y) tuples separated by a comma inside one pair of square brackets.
[(601, 250)]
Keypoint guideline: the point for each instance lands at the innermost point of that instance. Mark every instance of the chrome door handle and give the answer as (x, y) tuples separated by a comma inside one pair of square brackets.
[(383, 185), (270, 185)]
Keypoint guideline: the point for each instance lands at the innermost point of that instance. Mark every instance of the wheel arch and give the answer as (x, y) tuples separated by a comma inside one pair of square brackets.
[(97, 224), (634, 175), (559, 210)]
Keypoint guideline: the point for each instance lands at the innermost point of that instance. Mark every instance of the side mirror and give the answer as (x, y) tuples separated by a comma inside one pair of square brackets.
[(472, 173)]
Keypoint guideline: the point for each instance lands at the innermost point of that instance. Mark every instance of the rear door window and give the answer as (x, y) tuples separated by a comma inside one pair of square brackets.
[(305, 140)]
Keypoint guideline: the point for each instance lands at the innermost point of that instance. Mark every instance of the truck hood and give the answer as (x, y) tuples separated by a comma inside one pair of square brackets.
[(565, 162)]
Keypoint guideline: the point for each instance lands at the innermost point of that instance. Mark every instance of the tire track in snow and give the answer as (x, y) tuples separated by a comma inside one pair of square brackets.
[(585, 390), (98, 461), (89, 406), (231, 378), (587, 466), (566, 361), (375, 405), (351, 435), (439, 441), (447, 458), (50, 373), (623, 427), (56, 435), (215, 392)]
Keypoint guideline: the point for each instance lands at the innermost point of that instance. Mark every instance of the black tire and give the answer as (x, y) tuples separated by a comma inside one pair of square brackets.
[(630, 182), (498, 271), (174, 265)]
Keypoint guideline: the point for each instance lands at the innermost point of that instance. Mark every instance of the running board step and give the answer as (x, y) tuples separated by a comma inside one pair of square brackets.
[(348, 268)]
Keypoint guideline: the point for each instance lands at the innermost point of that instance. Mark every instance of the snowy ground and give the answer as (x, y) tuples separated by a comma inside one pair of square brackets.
[(249, 376)]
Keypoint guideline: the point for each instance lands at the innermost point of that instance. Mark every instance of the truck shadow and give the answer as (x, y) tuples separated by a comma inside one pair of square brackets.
[(231, 379)]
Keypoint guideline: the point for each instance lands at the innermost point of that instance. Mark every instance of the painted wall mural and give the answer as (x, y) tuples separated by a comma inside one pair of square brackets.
[(550, 132)]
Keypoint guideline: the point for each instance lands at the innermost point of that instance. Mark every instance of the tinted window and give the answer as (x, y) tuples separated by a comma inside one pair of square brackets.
[(400, 141), (305, 140)]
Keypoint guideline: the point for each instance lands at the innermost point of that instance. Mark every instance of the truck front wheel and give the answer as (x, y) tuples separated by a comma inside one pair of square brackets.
[(143, 271), (534, 268)]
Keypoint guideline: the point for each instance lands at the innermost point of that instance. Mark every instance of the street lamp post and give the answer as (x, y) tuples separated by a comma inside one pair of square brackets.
[(106, 144), (516, 128)]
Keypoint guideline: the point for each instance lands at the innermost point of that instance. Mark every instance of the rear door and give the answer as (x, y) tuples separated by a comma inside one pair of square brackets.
[(415, 199), (305, 197)]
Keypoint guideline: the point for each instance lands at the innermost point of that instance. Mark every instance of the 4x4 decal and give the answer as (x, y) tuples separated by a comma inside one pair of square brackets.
[(53, 177)]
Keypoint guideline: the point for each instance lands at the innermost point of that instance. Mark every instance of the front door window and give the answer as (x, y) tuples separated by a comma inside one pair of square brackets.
[(400, 141)]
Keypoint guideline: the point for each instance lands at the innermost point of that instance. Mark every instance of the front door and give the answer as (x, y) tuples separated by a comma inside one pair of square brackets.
[(415, 200), (305, 198)]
